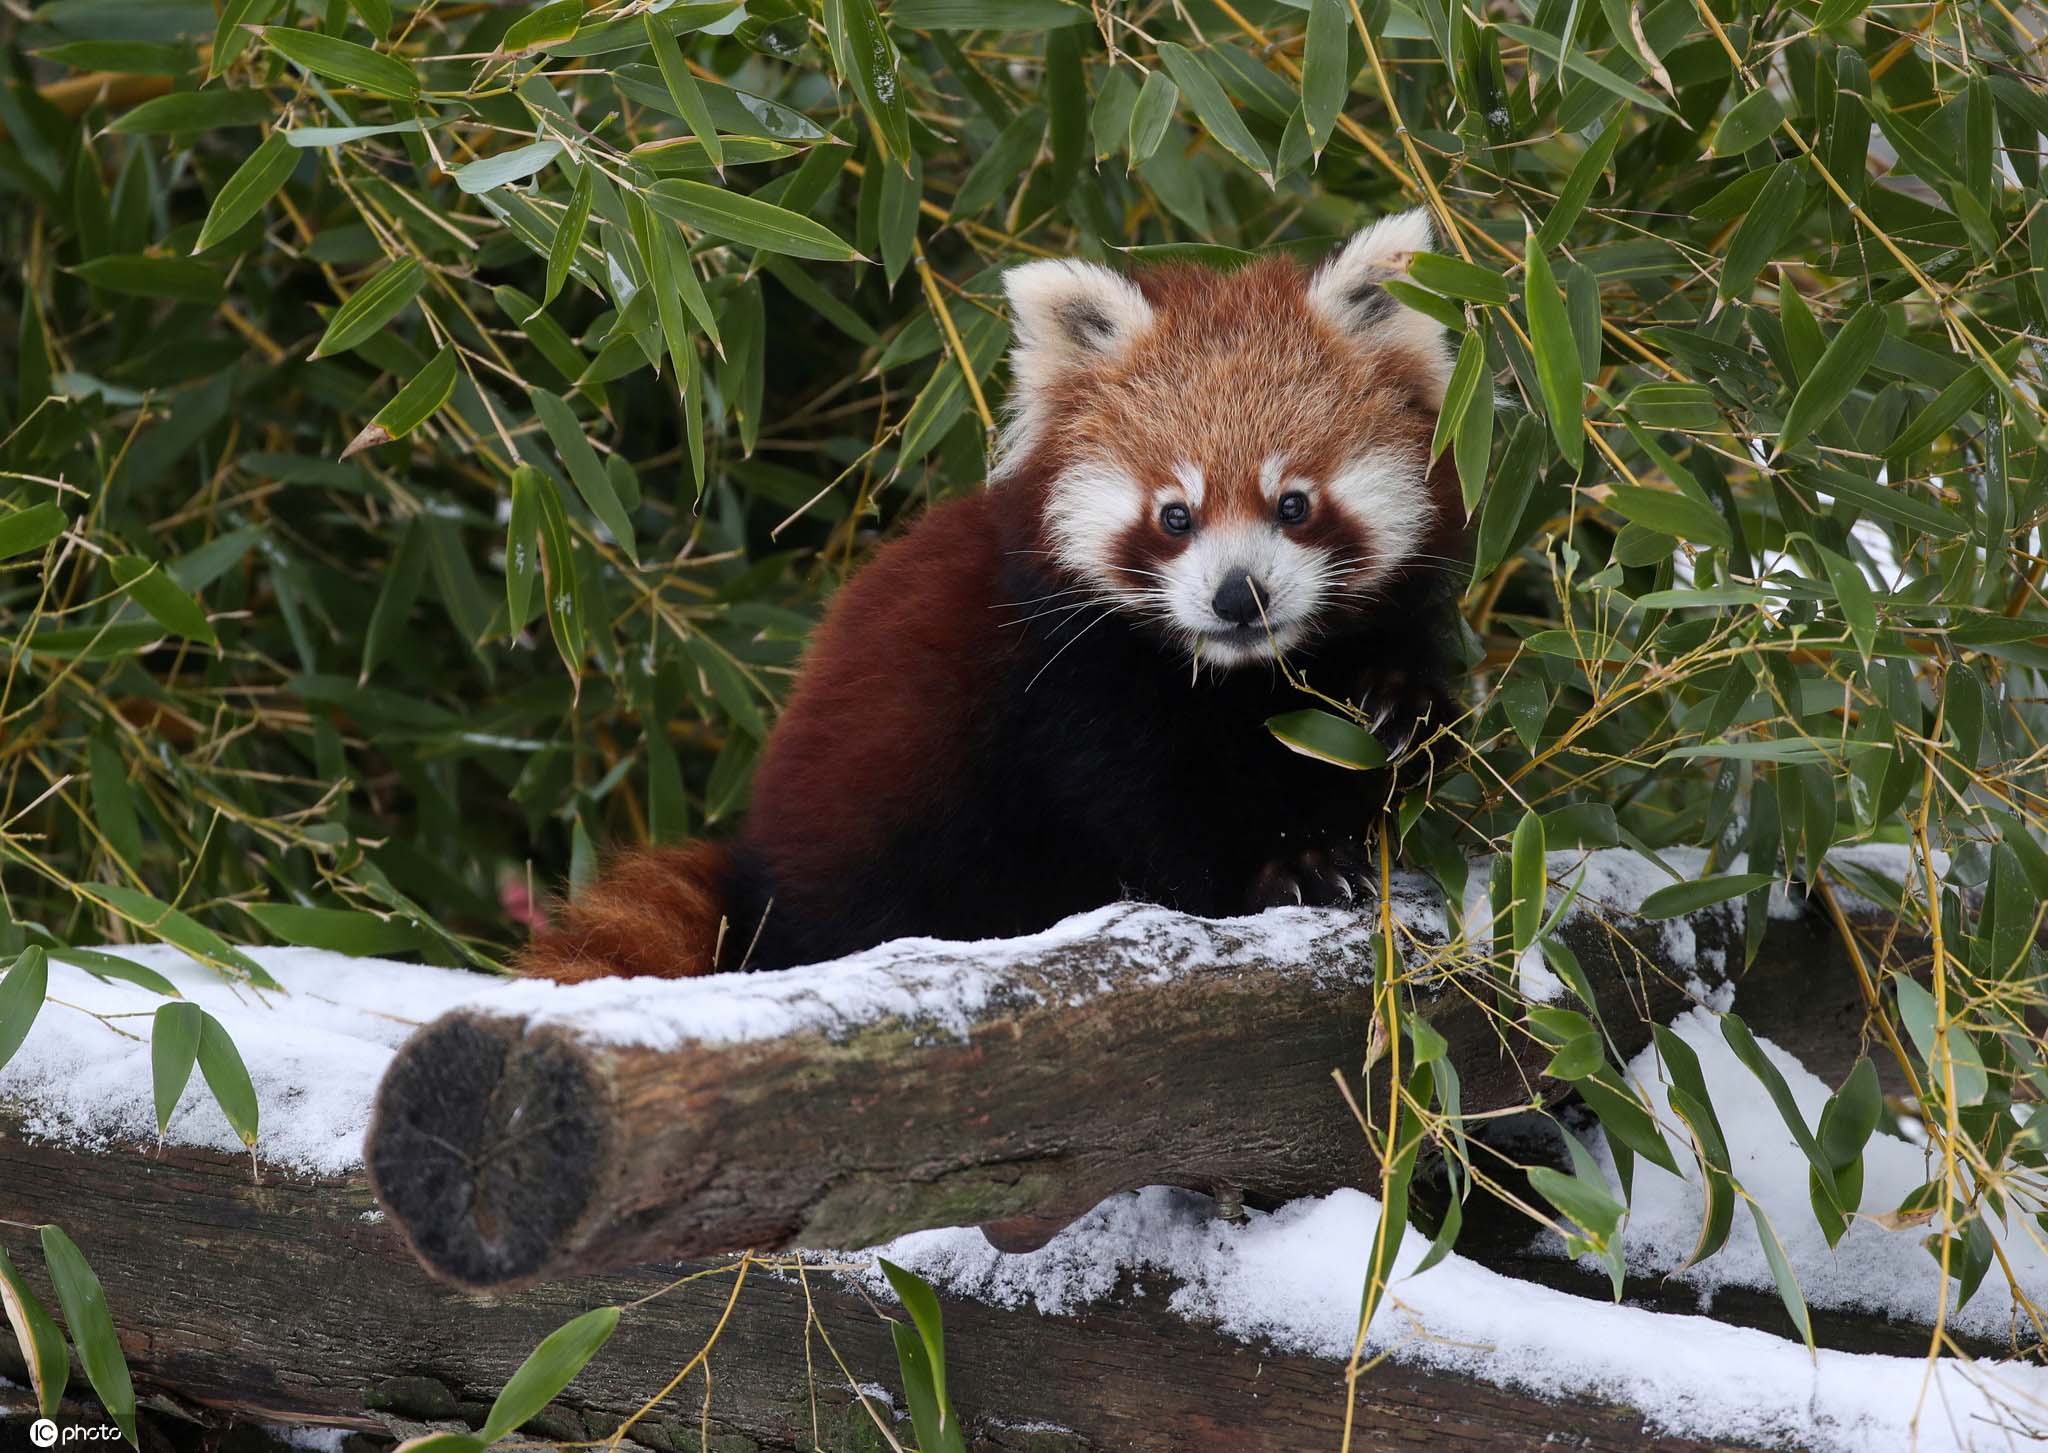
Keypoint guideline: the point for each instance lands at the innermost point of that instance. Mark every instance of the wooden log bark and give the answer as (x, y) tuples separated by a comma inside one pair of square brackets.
[(287, 1300), (510, 1147)]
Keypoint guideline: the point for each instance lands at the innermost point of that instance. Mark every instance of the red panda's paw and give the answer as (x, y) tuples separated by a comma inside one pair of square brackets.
[(1308, 878), (1410, 717)]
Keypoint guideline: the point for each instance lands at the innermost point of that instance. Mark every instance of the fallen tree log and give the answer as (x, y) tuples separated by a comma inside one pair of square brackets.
[(584, 1128), (285, 1299)]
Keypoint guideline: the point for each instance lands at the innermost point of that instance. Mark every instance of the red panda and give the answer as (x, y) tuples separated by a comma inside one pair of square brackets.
[(1054, 692)]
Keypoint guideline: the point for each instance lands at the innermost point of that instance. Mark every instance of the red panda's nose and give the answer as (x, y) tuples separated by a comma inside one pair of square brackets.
[(1240, 599)]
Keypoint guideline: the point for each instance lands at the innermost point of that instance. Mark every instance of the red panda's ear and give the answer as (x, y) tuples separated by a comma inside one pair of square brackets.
[(1347, 292), (1065, 311)]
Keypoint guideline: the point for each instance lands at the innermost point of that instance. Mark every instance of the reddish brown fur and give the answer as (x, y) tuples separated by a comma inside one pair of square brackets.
[(882, 725), (886, 703), (656, 911)]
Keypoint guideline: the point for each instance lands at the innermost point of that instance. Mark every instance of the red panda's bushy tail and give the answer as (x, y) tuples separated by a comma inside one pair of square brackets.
[(653, 912)]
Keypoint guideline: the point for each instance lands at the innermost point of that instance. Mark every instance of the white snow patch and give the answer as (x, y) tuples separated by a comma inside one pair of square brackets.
[(920, 980), (316, 1051), (1294, 1279), (1871, 1270)]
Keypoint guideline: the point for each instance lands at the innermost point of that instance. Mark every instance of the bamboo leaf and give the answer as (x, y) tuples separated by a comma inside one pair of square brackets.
[(244, 194), (371, 306), (421, 398), (38, 1336), (1557, 356), (1213, 105), (747, 220), (84, 1304), (1328, 737), (344, 61), (22, 991), (173, 1051)]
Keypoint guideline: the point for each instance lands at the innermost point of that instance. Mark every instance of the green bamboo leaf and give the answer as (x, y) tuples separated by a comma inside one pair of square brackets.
[(1558, 377), (1848, 357), (30, 529), (1679, 899), (1588, 1206), (548, 1369), (1620, 1113), (940, 1429), (866, 59), (321, 136), (182, 112), (542, 29), (1749, 121), (561, 579), (670, 154), (684, 91), (129, 57), (338, 930), (254, 183), (173, 1051), (747, 220), (1782, 1273), (150, 587), (233, 32), (420, 399), (1753, 1058), (1585, 66), (371, 306), (568, 234), (1212, 104), (522, 545), (585, 472), (1003, 165), (344, 61), (1854, 595), (84, 1303), (1328, 737), (1459, 394), (629, 34), (1528, 873), (1456, 278), (38, 1336), (221, 1065), (22, 991), (1150, 115), (1966, 1066), (1578, 186), (506, 167), (1326, 70), (1767, 222), (180, 930), (1671, 513), (141, 275)]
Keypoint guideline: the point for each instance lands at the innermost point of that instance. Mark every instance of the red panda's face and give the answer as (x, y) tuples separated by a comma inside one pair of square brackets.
[(1240, 459)]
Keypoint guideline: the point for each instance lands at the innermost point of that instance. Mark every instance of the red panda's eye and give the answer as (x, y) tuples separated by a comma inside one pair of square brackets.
[(1176, 520), (1293, 507)]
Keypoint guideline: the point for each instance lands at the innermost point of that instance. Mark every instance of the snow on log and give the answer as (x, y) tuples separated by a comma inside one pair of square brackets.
[(549, 1130)]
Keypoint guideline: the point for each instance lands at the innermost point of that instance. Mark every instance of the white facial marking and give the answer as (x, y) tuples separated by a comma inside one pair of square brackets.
[(1087, 508), (1191, 481), (1272, 473), (1386, 491), (1290, 581)]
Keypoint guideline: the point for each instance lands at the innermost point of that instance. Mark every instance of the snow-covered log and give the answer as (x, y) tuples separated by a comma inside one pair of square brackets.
[(281, 1293), (1012, 1085)]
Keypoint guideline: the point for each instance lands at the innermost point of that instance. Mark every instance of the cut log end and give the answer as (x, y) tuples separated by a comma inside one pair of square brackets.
[(485, 1147)]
